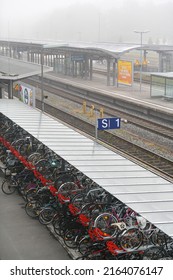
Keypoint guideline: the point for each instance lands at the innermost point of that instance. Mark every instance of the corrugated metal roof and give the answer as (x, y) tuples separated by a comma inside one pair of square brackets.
[(144, 191)]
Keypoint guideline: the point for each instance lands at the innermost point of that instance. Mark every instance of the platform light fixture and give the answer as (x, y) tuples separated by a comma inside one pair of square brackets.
[(141, 35)]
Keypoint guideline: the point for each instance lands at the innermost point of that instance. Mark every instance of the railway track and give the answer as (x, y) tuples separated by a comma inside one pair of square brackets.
[(112, 110), (161, 166)]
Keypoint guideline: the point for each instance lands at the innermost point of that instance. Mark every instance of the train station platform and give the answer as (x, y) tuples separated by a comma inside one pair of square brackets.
[(145, 192), (131, 94)]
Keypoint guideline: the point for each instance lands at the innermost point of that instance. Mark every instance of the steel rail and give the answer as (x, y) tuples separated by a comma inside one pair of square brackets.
[(151, 161)]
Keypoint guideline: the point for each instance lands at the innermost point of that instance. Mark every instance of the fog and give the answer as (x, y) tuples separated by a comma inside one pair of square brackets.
[(87, 20)]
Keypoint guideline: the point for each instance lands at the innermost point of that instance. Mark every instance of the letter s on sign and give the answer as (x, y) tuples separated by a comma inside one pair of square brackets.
[(104, 123)]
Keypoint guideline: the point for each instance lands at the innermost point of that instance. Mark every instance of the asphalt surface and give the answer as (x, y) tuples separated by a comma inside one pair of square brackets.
[(23, 238)]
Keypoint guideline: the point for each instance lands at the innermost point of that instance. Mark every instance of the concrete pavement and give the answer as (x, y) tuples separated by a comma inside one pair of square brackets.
[(23, 238)]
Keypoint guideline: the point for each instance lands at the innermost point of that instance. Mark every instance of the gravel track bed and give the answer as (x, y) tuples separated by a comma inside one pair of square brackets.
[(141, 137)]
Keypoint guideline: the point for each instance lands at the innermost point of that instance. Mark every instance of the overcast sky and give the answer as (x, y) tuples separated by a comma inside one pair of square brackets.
[(87, 20)]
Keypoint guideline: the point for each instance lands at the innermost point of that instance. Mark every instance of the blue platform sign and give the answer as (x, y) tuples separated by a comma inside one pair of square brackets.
[(109, 123)]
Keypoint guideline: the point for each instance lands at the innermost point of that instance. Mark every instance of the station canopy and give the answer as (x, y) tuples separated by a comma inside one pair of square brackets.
[(14, 69), (114, 50), (110, 49)]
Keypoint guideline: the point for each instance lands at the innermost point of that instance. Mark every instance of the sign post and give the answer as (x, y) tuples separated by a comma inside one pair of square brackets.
[(107, 123)]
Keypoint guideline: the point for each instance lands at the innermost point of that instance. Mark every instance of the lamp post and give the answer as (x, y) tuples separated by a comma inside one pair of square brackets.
[(141, 34)]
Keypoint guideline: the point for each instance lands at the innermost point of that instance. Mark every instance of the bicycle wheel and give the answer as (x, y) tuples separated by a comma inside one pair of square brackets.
[(105, 222), (31, 194), (58, 223), (78, 200), (32, 209), (67, 189), (16, 144), (63, 178), (46, 215), (159, 238), (25, 149), (35, 157), (130, 239), (42, 166), (85, 244), (9, 186), (71, 237)]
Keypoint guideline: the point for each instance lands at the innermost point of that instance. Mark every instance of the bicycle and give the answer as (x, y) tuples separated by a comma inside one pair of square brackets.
[(15, 182), (117, 217), (134, 238)]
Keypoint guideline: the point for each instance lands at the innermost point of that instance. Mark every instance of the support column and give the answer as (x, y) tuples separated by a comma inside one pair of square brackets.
[(10, 52), (91, 69), (75, 68), (39, 58), (3, 50), (108, 72), (72, 68), (160, 62), (0, 93), (171, 62), (51, 60), (10, 89), (86, 67), (27, 55), (114, 72), (32, 57), (168, 62)]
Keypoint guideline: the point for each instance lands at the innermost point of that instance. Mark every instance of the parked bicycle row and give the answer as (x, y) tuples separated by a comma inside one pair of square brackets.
[(85, 216)]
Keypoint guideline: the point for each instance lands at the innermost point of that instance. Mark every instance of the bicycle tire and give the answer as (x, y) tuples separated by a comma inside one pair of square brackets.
[(42, 166), (31, 194), (17, 143), (104, 222), (92, 210), (26, 149), (78, 200), (130, 239), (58, 223), (47, 215), (71, 237), (63, 178), (85, 244), (32, 209), (35, 157), (8, 187), (159, 238), (68, 188)]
